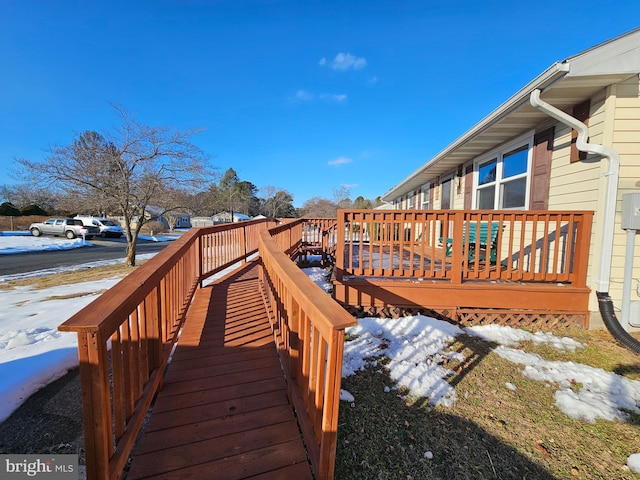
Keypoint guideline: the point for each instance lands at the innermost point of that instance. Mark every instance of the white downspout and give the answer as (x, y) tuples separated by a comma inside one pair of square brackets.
[(609, 213)]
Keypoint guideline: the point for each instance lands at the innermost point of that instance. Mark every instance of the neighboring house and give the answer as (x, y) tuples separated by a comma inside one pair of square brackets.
[(225, 217), (155, 214), (201, 221), (222, 217), (525, 157)]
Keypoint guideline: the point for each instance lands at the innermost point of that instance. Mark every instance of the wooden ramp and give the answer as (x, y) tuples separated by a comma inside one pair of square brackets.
[(223, 412)]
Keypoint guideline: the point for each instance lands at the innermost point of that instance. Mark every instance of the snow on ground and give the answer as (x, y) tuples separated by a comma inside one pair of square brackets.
[(20, 242), (319, 277), (417, 350), (416, 347), (511, 336), (33, 352)]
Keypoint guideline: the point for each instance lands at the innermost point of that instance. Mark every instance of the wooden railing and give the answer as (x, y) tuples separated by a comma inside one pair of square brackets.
[(309, 328), (293, 235), (543, 246), (126, 335)]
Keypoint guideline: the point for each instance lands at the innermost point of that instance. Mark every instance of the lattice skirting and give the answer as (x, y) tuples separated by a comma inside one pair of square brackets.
[(540, 320)]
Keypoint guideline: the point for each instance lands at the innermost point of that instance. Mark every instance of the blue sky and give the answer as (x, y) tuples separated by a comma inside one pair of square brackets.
[(304, 96)]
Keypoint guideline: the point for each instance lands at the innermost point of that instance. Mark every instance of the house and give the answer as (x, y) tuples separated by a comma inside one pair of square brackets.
[(222, 217), (166, 218), (527, 155)]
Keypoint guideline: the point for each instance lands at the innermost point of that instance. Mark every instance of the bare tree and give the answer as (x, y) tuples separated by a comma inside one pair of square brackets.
[(27, 194), (125, 171), (317, 207), (341, 197), (277, 203)]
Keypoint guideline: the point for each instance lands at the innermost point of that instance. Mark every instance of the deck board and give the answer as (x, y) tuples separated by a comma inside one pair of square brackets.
[(223, 411)]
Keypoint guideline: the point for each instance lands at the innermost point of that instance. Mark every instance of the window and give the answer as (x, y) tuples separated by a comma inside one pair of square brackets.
[(409, 201), (502, 178), (445, 199), (426, 197)]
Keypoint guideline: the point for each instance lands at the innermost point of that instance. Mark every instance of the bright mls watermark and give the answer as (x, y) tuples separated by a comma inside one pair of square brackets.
[(50, 467)]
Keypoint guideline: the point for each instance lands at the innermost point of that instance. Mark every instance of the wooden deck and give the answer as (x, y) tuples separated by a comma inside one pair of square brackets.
[(223, 411)]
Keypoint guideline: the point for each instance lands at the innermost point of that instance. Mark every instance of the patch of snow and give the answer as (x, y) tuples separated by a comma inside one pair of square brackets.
[(414, 346), (346, 396), (33, 353), (600, 394), (511, 336), (633, 462), (319, 277), (10, 244)]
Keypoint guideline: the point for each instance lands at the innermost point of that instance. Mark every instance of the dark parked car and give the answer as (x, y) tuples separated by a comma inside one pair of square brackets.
[(69, 227)]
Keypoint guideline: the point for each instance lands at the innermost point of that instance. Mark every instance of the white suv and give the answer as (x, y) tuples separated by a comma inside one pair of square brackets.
[(108, 228)]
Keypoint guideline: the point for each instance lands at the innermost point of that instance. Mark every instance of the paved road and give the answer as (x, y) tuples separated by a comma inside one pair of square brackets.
[(103, 249)]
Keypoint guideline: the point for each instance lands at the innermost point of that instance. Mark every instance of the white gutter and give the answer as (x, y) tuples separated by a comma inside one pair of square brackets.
[(609, 213)]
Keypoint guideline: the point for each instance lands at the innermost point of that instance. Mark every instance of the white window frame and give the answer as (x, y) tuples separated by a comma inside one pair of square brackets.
[(410, 201), (498, 154), (425, 191)]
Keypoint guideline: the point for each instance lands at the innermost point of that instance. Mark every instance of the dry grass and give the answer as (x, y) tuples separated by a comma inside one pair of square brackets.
[(491, 431), (69, 278)]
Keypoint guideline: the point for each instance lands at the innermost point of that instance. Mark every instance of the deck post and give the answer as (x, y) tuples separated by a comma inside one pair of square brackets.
[(243, 244), (200, 259), (339, 265), (581, 257), (457, 254), (96, 407), (329, 436)]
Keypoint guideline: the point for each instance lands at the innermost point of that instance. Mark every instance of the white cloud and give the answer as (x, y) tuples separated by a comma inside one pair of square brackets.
[(345, 61), (304, 95), (349, 185), (339, 161), (334, 97)]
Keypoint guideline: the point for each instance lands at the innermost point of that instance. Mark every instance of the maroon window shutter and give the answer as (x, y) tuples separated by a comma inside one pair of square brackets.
[(468, 187), (541, 169), (432, 190), (580, 112)]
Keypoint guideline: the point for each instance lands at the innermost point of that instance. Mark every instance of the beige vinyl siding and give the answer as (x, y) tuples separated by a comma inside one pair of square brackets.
[(458, 194), (576, 186), (626, 141), (573, 186)]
